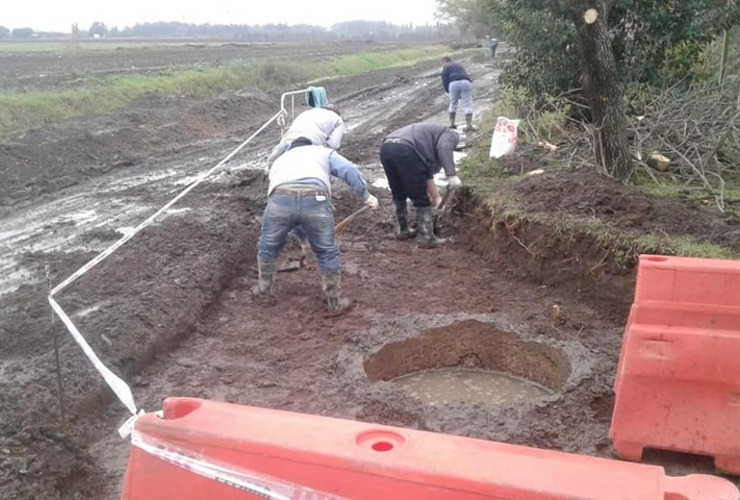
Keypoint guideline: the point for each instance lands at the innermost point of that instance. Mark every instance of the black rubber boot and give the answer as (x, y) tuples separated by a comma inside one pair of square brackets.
[(266, 278), (452, 120), (331, 283), (469, 123), (425, 227), (404, 233)]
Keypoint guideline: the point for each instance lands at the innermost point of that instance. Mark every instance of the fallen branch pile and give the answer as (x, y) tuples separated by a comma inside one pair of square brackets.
[(698, 131), (691, 136)]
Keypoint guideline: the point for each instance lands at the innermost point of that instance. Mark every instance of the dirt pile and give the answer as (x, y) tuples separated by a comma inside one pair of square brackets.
[(584, 193)]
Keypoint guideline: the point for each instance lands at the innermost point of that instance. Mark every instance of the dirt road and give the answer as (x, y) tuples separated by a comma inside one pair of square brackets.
[(171, 311)]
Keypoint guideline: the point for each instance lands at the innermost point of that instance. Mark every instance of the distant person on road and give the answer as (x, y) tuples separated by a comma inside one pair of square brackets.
[(410, 157), (300, 195), (492, 44), (459, 86), (322, 126)]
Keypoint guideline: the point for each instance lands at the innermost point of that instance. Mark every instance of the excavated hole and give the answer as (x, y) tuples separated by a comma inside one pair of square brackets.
[(471, 361)]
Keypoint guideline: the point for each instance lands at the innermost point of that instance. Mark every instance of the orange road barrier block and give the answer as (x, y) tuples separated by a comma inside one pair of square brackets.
[(202, 449), (678, 380)]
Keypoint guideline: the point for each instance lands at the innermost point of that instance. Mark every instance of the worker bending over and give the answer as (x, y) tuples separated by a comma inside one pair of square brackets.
[(410, 157), (300, 195)]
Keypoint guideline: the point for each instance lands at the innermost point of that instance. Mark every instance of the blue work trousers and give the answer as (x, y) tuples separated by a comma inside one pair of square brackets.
[(461, 90), (315, 214)]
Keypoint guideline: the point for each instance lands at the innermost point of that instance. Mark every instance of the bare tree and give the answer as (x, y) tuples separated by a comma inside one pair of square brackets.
[(601, 84)]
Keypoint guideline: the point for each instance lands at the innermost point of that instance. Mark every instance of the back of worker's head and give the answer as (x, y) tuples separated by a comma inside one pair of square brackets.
[(301, 141), (333, 107), (446, 60)]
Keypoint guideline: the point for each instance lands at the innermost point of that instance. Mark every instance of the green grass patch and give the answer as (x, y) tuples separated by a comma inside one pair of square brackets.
[(666, 187), (684, 246), (370, 61), (23, 110), (20, 111)]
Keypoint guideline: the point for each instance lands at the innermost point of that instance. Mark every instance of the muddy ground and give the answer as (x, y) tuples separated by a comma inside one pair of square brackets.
[(171, 312)]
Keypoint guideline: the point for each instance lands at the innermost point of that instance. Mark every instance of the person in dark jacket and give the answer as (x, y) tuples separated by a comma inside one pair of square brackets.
[(458, 85), (492, 44), (410, 157)]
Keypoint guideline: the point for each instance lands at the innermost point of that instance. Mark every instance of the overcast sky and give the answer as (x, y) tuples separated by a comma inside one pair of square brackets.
[(58, 15)]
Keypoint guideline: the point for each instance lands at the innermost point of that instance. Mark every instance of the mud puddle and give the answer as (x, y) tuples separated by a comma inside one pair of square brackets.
[(468, 385)]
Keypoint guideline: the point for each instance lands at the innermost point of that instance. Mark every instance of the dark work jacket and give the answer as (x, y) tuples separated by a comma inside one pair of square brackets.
[(453, 71), (433, 142)]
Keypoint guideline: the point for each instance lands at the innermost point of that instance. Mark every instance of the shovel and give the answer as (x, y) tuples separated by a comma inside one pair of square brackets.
[(449, 194), (351, 217), (446, 201)]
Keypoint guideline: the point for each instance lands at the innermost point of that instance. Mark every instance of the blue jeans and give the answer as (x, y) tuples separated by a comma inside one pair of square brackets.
[(461, 89), (284, 213)]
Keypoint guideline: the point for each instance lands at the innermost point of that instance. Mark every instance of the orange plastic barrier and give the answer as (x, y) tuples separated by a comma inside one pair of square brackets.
[(678, 380), (202, 449)]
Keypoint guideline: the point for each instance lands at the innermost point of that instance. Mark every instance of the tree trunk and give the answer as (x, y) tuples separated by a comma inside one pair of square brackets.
[(602, 87)]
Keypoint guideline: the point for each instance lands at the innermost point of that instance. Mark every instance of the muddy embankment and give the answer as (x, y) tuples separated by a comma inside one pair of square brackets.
[(575, 261), (139, 303)]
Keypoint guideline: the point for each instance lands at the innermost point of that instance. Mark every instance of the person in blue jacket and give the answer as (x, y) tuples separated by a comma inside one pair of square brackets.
[(459, 86)]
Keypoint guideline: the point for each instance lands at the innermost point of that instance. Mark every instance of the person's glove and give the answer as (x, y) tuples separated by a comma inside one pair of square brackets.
[(454, 181), (371, 202)]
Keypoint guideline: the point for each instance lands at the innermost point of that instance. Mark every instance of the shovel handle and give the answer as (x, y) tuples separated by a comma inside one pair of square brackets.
[(346, 222), (446, 198)]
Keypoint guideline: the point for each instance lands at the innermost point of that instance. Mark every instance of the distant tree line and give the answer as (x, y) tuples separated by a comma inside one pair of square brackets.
[(19, 33), (359, 30)]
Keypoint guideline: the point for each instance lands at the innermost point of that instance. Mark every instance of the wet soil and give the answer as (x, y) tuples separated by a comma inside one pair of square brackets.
[(78, 62), (171, 311)]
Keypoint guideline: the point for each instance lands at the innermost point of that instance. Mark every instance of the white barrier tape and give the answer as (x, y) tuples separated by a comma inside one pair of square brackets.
[(128, 426), (249, 481), (100, 257), (119, 387)]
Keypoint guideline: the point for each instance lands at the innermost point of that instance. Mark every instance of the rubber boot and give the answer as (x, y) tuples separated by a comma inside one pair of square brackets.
[(469, 127), (404, 233), (425, 227), (266, 278), (331, 283), (452, 120)]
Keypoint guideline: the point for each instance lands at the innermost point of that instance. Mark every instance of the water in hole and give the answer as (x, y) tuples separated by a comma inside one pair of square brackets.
[(460, 384)]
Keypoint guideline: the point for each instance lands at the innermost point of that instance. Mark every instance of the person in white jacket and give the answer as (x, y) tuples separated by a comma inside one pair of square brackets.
[(322, 126), (300, 196)]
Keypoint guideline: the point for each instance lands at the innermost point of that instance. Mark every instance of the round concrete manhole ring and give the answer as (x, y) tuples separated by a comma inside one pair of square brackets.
[(471, 361)]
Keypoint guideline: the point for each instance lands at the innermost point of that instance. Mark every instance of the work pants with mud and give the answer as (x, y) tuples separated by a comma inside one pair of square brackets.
[(313, 211), (406, 172), (461, 90)]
